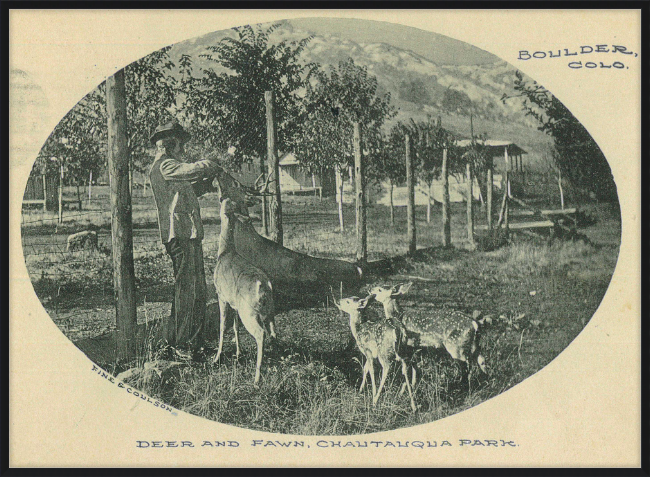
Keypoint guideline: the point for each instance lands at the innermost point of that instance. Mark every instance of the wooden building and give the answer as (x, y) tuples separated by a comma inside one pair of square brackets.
[(42, 189)]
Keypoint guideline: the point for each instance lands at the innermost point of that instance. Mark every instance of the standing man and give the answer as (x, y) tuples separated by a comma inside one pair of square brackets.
[(176, 186)]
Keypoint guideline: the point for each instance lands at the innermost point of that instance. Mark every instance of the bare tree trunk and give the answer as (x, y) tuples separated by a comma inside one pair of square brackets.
[(90, 187), (392, 206), (410, 209), (429, 203), (362, 231), (559, 183), (121, 219), (78, 195), (339, 195), (446, 223), (490, 180), (131, 174), (275, 203), (265, 216)]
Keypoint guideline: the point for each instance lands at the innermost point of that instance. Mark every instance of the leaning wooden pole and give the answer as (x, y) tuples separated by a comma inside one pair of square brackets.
[(362, 232), (275, 204), (446, 222), (121, 221), (410, 186)]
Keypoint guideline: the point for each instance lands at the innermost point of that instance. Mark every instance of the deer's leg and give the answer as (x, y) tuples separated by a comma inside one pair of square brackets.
[(408, 384), (260, 351), (272, 328), (223, 313), (235, 327)]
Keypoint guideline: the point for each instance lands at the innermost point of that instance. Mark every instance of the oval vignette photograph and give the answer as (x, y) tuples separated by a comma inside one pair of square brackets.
[(319, 226)]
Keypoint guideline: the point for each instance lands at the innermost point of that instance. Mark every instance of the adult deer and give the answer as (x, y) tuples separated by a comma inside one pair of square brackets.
[(242, 287), (376, 340), (454, 331)]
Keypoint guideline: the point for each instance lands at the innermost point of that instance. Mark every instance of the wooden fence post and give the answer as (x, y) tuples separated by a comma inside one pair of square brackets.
[(359, 172), (275, 204), (410, 186), (121, 220), (490, 180), (446, 223)]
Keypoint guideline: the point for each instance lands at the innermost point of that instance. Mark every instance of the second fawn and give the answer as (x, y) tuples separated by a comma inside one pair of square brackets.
[(242, 287), (454, 331), (376, 340)]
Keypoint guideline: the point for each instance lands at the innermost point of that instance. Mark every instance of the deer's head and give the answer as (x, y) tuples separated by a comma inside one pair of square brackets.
[(383, 294)]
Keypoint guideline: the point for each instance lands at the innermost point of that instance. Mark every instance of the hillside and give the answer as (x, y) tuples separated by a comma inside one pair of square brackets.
[(418, 86)]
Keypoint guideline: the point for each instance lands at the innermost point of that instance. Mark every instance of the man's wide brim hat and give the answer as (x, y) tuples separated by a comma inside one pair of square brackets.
[(168, 130)]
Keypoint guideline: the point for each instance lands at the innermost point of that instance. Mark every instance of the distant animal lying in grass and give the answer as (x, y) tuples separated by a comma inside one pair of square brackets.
[(85, 240), (376, 340), (454, 331)]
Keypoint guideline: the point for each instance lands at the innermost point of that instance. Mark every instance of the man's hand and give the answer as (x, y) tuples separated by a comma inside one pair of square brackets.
[(203, 186)]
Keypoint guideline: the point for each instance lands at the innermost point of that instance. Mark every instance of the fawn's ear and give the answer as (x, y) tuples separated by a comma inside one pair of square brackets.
[(362, 303)]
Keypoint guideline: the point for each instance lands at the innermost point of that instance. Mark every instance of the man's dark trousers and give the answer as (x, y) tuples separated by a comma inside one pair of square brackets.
[(186, 323)]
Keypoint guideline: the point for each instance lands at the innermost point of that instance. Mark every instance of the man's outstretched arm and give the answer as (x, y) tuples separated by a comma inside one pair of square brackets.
[(175, 170)]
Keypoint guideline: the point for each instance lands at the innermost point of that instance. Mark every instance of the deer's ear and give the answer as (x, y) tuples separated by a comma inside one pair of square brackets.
[(403, 289), (363, 302), (242, 218)]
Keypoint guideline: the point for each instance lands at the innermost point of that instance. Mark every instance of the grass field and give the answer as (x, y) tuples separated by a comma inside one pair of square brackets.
[(540, 294)]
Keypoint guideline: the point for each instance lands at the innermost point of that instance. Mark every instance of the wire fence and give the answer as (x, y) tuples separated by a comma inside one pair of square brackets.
[(75, 285)]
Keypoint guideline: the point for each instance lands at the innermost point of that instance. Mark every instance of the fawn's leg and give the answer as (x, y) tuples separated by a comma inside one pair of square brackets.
[(385, 366), (408, 384), (365, 374), (371, 369), (481, 363)]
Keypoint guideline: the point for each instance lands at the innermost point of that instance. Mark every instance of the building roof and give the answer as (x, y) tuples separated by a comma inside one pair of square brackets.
[(496, 146), (289, 159)]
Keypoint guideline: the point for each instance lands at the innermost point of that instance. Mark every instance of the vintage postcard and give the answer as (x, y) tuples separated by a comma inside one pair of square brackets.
[(325, 238)]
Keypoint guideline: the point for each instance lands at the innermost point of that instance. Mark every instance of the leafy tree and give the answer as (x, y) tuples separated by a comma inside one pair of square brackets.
[(415, 91), (456, 101), (430, 140), (151, 92), (77, 144), (333, 103), (577, 156), (79, 141), (227, 107), (388, 162)]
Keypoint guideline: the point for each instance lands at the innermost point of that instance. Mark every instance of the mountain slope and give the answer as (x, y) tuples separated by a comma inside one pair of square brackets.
[(418, 86)]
